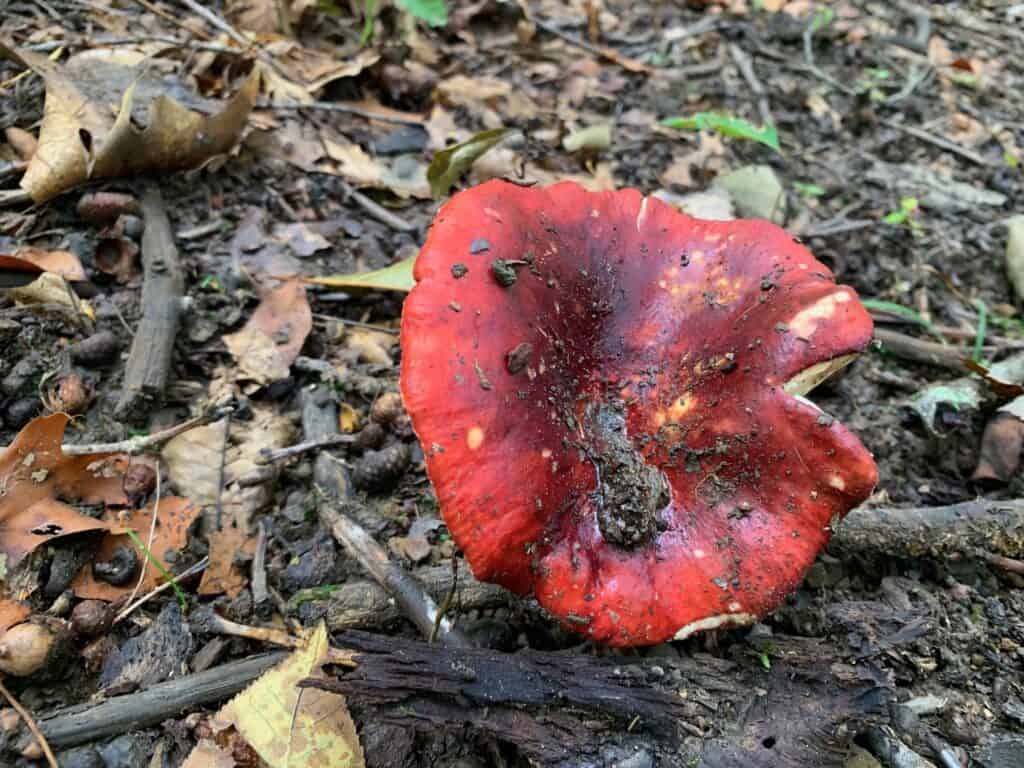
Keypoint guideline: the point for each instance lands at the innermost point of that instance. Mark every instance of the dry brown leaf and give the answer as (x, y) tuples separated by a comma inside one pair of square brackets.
[(50, 289), (259, 16), (11, 612), (307, 71), (193, 462), (371, 346), (506, 163), (88, 132), (270, 341), (709, 157), (36, 481), (63, 263), (354, 164), (206, 754), (174, 516), (294, 142)]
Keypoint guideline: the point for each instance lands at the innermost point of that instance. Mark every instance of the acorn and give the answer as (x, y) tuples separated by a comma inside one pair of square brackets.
[(90, 618), (39, 644), (377, 470), (388, 409)]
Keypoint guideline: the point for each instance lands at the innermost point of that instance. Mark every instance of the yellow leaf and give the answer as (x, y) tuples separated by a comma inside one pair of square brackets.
[(291, 727)]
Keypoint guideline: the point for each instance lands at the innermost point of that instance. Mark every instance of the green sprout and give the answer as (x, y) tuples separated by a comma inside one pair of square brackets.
[(906, 215)]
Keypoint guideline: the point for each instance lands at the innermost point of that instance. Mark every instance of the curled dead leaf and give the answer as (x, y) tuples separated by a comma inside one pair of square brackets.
[(87, 133)]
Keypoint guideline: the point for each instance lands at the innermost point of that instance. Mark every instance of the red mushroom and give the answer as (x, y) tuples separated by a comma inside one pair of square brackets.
[(608, 393)]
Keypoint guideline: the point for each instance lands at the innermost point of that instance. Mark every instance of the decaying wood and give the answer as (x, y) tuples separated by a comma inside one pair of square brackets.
[(367, 605), (149, 363), (559, 708), (319, 420), (996, 527), (121, 714)]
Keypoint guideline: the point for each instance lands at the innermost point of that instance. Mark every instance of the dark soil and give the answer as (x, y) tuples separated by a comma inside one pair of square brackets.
[(951, 629)]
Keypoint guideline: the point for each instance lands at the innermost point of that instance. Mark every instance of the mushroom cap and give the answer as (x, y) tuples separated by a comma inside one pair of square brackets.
[(565, 354)]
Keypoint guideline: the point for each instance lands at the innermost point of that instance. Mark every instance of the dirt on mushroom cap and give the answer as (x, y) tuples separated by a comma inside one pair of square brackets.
[(688, 328)]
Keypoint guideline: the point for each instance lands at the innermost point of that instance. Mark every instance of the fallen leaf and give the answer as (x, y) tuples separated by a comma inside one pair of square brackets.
[(371, 346), (270, 341), (11, 613), (397, 277), (63, 263), (505, 163), (50, 289), (354, 164), (290, 726), (1001, 443), (449, 164), (36, 481), (88, 133), (300, 239), (707, 159), (259, 16), (310, 69), (194, 460), (206, 754), (348, 418), (174, 515), (294, 142)]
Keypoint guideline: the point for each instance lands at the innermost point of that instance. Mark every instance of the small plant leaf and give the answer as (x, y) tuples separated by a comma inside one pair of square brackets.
[(449, 164), (733, 127), (397, 277), (433, 12)]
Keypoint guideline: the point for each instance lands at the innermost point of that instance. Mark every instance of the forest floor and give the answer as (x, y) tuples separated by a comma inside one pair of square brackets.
[(901, 130)]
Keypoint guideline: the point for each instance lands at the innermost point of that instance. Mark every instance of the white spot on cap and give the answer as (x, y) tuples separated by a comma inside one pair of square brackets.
[(715, 622), (698, 553), (805, 322), (734, 607), (642, 216), (474, 438), (546, 453), (837, 482)]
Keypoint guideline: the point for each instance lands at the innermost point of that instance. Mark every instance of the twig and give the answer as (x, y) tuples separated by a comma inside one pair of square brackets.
[(200, 230), (746, 67), (157, 11), (367, 605), (352, 323), (927, 352), (149, 362), (12, 168), (379, 212), (152, 535), (1006, 563), (937, 141), (813, 68), (834, 227), (30, 723), (347, 109), (995, 527), (154, 704), (136, 445), (259, 567), (407, 591), (191, 570), (12, 197), (222, 472), (631, 65), (206, 620), (269, 455)]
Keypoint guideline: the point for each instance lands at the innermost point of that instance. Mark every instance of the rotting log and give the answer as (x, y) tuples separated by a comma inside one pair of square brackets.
[(561, 708), (995, 527), (149, 362)]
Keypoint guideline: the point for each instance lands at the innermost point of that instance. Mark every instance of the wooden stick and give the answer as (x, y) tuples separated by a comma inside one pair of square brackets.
[(149, 363), (995, 527), (151, 706), (30, 723)]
